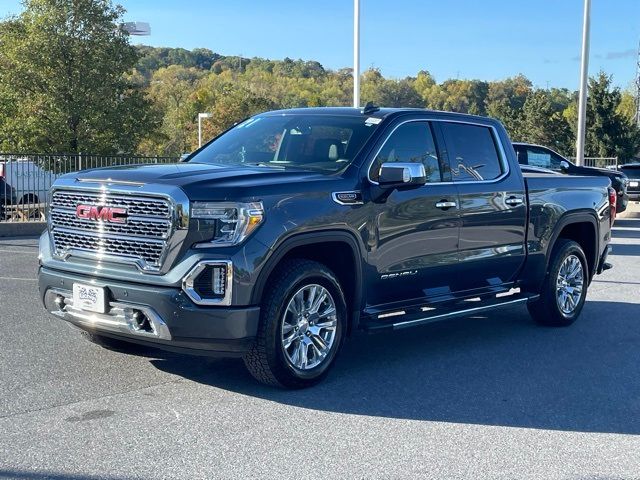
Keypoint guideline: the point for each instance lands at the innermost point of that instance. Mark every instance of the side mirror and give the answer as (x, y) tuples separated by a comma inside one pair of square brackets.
[(564, 165), (184, 156), (401, 174)]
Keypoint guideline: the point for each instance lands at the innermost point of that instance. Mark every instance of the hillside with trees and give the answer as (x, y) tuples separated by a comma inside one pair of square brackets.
[(70, 81)]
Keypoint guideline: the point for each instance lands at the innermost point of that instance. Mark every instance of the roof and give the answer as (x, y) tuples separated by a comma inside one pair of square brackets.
[(380, 113)]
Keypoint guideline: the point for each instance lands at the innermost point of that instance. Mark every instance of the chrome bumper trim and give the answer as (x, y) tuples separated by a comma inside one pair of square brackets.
[(118, 319)]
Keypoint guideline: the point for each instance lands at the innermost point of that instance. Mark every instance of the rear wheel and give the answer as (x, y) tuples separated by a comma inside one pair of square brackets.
[(301, 329), (565, 287)]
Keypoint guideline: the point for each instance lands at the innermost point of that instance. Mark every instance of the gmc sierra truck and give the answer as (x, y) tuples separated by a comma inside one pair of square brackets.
[(295, 229)]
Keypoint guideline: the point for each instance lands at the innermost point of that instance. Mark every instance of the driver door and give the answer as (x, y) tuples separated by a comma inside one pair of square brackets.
[(415, 246)]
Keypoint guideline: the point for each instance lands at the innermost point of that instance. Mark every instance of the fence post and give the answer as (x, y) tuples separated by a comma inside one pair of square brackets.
[(80, 161)]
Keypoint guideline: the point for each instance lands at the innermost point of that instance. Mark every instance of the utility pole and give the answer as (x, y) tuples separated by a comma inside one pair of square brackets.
[(356, 53), (638, 89), (584, 77)]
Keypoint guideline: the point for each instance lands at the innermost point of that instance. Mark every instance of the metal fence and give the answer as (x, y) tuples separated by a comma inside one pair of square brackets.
[(25, 179), (600, 162)]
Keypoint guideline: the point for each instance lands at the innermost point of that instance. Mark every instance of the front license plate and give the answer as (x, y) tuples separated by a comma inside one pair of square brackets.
[(633, 184), (89, 298)]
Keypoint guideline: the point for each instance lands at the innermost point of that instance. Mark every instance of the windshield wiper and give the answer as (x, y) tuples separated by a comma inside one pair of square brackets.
[(263, 164)]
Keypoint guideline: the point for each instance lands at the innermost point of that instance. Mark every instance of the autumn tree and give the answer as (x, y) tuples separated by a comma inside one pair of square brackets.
[(505, 101)]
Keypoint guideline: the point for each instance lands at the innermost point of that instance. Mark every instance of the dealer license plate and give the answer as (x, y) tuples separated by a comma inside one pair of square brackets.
[(89, 298)]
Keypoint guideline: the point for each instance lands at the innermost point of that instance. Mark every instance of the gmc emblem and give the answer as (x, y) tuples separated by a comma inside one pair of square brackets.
[(102, 214)]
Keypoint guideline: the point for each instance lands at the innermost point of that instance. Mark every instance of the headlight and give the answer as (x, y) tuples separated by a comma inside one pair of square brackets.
[(232, 222)]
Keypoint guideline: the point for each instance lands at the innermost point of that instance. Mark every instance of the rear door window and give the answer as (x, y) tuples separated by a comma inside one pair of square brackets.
[(473, 153)]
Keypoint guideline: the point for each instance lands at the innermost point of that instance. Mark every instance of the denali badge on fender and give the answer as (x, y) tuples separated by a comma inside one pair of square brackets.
[(406, 273), (104, 214)]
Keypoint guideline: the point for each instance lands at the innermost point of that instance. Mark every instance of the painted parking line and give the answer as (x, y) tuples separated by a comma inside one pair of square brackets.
[(20, 279)]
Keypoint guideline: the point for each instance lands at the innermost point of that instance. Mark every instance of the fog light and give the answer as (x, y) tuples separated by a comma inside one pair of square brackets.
[(209, 283), (59, 301), (218, 274)]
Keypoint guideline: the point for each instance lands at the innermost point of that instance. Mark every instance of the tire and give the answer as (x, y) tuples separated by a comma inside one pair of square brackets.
[(560, 304), (285, 315)]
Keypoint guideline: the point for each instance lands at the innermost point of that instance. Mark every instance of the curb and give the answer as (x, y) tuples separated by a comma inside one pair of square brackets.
[(21, 229)]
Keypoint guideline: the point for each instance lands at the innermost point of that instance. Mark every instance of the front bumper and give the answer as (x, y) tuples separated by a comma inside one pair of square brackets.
[(174, 322)]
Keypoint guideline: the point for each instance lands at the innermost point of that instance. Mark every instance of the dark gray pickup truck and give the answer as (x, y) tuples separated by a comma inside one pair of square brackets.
[(298, 228)]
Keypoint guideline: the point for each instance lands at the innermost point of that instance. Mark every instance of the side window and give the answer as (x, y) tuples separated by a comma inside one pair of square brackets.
[(542, 158), (411, 142), (473, 153)]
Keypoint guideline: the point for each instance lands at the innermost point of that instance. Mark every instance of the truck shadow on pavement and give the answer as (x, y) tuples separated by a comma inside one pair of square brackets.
[(502, 370)]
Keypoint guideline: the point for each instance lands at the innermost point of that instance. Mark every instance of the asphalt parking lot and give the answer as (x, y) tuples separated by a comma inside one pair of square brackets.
[(483, 397)]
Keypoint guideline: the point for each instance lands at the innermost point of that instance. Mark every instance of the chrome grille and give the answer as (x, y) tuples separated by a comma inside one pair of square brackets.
[(142, 238), (137, 227), (154, 207)]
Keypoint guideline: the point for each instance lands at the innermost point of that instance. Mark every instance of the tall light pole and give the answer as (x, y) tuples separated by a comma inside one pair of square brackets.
[(200, 117), (584, 78), (356, 53)]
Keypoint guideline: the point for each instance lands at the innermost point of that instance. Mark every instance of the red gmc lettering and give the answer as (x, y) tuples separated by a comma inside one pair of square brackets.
[(103, 214)]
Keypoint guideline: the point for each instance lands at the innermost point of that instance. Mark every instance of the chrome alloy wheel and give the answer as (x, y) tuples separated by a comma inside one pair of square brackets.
[(309, 327), (569, 284)]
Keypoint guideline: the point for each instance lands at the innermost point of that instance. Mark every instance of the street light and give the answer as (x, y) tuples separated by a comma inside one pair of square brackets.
[(584, 77), (140, 29), (200, 117)]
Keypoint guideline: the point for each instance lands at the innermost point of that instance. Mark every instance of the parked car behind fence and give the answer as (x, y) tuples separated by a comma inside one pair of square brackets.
[(25, 179)]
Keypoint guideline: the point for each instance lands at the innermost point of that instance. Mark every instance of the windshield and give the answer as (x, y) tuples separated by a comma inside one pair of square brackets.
[(315, 142)]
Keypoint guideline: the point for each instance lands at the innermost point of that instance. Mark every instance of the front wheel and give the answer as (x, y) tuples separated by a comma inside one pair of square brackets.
[(302, 326), (565, 287)]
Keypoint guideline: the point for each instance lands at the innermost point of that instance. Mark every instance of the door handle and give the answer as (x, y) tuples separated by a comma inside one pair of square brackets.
[(445, 204), (514, 201)]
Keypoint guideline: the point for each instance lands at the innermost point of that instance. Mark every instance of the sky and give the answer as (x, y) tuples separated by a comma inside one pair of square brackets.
[(486, 40)]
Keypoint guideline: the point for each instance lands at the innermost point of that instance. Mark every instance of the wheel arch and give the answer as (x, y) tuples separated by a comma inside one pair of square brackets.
[(345, 261), (570, 225), (583, 228)]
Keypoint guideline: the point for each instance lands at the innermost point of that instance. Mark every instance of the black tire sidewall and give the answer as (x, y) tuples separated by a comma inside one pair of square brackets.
[(281, 368)]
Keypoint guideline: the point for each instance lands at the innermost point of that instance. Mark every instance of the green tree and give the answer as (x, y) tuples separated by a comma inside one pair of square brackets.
[(609, 133), (505, 101), (63, 80), (628, 104), (542, 122)]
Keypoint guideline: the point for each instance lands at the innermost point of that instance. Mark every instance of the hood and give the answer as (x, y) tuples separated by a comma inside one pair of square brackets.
[(201, 180), (600, 171)]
